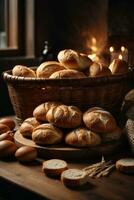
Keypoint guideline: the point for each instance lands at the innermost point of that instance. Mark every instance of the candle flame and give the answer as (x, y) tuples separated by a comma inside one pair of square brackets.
[(123, 48), (111, 49), (120, 57)]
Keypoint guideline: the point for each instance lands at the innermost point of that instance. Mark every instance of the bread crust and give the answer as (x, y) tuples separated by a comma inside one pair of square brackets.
[(97, 70), (24, 71), (125, 165), (118, 66), (26, 154)]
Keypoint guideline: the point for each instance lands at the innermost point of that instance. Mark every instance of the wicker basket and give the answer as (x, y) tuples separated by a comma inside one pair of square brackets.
[(27, 93)]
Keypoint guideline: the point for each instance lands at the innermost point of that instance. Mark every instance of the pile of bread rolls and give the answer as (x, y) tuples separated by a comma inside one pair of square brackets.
[(72, 64), (54, 122)]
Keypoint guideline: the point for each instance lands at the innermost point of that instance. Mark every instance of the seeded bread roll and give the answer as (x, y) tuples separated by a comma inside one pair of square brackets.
[(54, 167), (118, 66), (28, 126), (82, 137), (67, 73), (97, 70), (40, 111), (46, 134), (71, 59), (112, 136), (99, 121), (64, 116), (125, 165), (26, 154), (74, 177), (47, 68), (20, 70)]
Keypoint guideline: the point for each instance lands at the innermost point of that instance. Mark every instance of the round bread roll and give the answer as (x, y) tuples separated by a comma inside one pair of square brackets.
[(26, 154), (28, 126), (6, 136), (47, 68), (8, 122), (82, 137), (74, 177), (111, 136), (20, 70), (74, 60), (65, 116), (118, 66), (99, 121), (125, 165), (54, 167), (40, 111), (7, 148), (4, 128), (46, 134), (97, 70), (67, 73)]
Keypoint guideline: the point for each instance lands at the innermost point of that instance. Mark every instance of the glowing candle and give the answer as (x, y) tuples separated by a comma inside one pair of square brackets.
[(113, 53), (120, 57), (124, 53)]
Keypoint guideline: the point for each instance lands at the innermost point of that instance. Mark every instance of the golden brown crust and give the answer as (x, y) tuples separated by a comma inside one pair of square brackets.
[(67, 73), (47, 68), (118, 66), (97, 70), (99, 121), (65, 116), (26, 154), (8, 122), (82, 137), (7, 148), (125, 165), (47, 134), (20, 70)]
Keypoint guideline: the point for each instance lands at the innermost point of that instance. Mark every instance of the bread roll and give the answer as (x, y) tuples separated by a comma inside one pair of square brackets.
[(4, 128), (28, 126), (26, 154), (6, 136), (112, 136), (99, 121), (118, 66), (125, 165), (54, 167), (74, 177), (71, 59), (47, 134), (97, 70), (8, 122), (7, 148), (64, 116), (67, 73), (47, 68), (20, 70), (40, 111), (82, 137)]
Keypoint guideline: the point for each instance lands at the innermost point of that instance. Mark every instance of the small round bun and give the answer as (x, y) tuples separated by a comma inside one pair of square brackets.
[(125, 165), (26, 154), (118, 66), (54, 167), (4, 128), (47, 68), (74, 177), (7, 148), (97, 70), (20, 70), (74, 60), (8, 122)]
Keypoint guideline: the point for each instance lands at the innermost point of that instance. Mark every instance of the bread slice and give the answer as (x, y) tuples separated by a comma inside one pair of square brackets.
[(74, 177), (54, 167), (125, 165)]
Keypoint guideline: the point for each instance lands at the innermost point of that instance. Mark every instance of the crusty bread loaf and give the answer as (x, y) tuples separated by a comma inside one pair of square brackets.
[(74, 177), (125, 165), (99, 121), (97, 70), (46, 134), (111, 136), (67, 73), (47, 68), (20, 70), (118, 66), (54, 167), (26, 154), (28, 126), (65, 116), (82, 137), (40, 111), (74, 60)]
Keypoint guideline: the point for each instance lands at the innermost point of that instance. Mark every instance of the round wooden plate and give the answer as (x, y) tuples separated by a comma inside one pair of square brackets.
[(63, 151)]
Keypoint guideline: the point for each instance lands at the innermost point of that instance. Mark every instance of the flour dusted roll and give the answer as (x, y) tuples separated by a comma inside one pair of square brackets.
[(99, 121), (74, 60), (67, 73), (20, 70), (118, 66), (82, 137), (40, 111), (46, 134), (47, 68), (97, 70), (65, 116), (28, 126)]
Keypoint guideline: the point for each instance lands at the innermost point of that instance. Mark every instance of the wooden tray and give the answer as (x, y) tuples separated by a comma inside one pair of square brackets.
[(63, 151)]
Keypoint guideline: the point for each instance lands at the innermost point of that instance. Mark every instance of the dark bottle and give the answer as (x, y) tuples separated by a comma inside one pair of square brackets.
[(47, 53)]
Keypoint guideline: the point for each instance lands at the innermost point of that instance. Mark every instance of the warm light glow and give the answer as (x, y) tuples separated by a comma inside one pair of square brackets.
[(94, 41), (123, 48), (120, 57), (94, 48), (93, 57), (111, 49)]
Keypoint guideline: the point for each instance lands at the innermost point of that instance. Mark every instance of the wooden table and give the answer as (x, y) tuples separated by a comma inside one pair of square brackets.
[(116, 186)]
